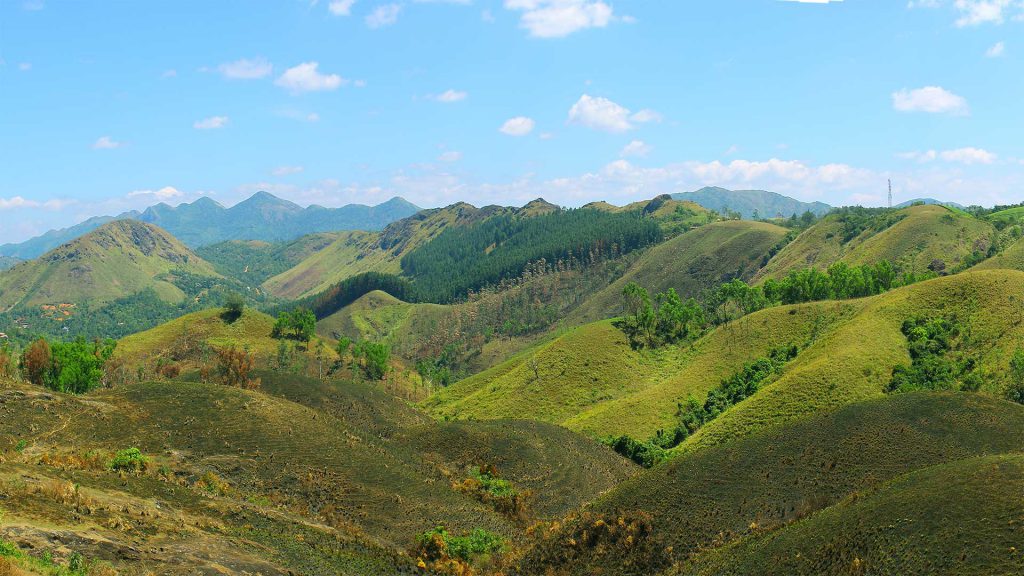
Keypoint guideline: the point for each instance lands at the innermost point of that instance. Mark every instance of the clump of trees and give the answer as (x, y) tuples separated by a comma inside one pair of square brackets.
[(1015, 392), (692, 414), (74, 367), (234, 306), (933, 366), (451, 554), (298, 324), (664, 321)]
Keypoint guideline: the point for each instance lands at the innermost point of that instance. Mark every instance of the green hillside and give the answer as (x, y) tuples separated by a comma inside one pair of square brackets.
[(702, 258), (116, 260), (356, 252), (912, 238), (1011, 258), (958, 518), (791, 472), (251, 262)]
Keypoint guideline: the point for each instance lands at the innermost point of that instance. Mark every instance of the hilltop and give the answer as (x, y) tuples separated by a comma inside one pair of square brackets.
[(118, 259), (203, 222), (752, 204), (915, 239)]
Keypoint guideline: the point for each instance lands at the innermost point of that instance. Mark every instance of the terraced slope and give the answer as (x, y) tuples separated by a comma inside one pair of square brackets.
[(958, 518), (116, 260), (692, 262), (923, 235), (791, 472)]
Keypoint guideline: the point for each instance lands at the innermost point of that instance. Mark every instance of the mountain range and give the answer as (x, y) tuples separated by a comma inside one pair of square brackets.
[(263, 216), (752, 204)]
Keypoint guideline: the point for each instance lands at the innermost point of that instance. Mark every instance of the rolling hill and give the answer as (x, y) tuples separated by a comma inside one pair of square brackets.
[(118, 259), (912, 238), (748, 202), (263, 216), (702, 258), (590, 380)]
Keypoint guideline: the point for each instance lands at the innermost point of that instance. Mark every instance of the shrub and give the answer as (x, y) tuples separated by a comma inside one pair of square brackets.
[(129, 460), (438, 544), (235, 366)]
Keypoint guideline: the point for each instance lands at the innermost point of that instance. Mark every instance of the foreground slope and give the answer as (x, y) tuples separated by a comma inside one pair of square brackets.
[(762, 483), (912, 238), (691, 263), (958, 518), (302, 475), (116, 260)]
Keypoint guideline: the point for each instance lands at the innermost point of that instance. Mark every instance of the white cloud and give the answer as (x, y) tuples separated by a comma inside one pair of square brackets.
[(384, 15), (997, 50), (169, 73), (33, 5), (17, 202), (286, 170), (165, 193), (975, 12), (450, 156), (813, 1), (246, 69), (106, 143), (559, 18), (518, 126), (600, 114), (211, 123), (636, 148), (25, 66), (449, 96), (931, 99), (306, 78), (968, 155), (341, 7), (645, 116)]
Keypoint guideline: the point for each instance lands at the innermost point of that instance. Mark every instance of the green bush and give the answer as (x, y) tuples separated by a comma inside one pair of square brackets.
[(465, 548), (129, 460)]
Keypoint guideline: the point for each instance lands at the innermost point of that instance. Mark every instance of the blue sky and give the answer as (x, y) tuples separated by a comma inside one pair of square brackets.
[(107, 106)]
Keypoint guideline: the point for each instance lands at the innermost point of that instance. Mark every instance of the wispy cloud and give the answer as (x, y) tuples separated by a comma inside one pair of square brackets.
[(518, 126), (106, 143), (246, 69), (286, 170), (384, 15), (341, 7), (560, 18), (211, 123)]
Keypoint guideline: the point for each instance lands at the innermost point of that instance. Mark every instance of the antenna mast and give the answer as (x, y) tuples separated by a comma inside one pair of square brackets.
[(890, 192)]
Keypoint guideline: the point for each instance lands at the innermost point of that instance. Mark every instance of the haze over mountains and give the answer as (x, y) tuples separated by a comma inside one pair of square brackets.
[(263, 216)]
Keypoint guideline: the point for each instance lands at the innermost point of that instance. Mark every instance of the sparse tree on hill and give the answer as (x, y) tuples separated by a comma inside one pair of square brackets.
[(234, 306), (235, 366)]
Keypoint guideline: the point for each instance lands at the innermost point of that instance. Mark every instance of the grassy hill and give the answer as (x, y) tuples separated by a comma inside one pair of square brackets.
[(116, 260), (957, 518), (251, 262), (791, 472), (591, 381), (912, 238), (702, 258), (1011, 258)]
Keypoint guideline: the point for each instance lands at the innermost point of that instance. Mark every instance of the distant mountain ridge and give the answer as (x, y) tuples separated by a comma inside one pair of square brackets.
[(766, 204), (929, 202), (263, 216)]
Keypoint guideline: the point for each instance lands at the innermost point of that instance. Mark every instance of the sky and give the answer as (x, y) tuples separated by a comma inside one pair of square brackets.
[(116, 105)]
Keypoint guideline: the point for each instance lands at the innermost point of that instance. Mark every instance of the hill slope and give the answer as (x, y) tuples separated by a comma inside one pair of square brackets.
[(956, 518), (793, 471), (254, 261), (692, 262), (747, 202), (116, 260), (912, 238)]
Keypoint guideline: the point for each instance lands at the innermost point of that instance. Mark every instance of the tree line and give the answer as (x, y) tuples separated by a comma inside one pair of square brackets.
[(666, 319)]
